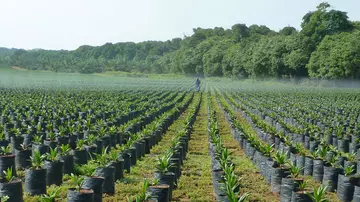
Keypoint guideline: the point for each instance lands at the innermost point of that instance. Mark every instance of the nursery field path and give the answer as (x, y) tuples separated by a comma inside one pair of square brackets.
[(145, 167), (195, 183), (251, 181)]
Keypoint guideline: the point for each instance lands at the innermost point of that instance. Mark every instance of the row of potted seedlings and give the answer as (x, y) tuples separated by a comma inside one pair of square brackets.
[(37, 157), (137, 146), (282, 174), (80, 122), (53, 135), (226, 182), (324, 111), (314, 106), (168, 165), (326, 164), (20, 116), (107, 165), (311, 135), (22, 148), (92, 141), (140, 144)]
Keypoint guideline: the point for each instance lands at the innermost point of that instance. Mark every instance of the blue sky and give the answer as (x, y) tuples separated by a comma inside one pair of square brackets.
[(67, 24)]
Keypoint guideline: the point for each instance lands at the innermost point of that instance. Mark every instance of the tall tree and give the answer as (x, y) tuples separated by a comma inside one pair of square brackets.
[(322, 22)]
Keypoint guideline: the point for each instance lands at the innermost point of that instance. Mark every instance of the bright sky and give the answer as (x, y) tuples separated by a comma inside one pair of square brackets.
[(67, 24)]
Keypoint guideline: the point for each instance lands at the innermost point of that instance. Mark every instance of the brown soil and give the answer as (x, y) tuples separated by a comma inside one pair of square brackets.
[(17, 68)]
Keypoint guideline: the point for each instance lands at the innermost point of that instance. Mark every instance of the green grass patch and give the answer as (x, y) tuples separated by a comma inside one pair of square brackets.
[(195, 183)]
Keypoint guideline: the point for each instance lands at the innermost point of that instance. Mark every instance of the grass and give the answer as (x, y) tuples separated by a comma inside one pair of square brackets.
[(138, 74), (195, 183), (15, 70), (251, 181)]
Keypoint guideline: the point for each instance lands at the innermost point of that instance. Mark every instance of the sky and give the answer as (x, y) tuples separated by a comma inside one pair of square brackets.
[(68, 24)]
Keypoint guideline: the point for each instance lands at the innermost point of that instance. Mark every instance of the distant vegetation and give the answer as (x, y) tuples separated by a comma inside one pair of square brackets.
[(327, 46)]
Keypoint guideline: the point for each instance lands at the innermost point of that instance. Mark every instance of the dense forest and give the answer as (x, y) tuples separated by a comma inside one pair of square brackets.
[(327, 46), (5, 55)]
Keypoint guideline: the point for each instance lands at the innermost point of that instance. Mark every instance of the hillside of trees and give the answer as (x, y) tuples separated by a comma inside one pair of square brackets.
[(5, 55), (327, 46)]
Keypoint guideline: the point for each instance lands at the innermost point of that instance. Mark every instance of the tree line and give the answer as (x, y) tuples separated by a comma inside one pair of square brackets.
[(327, 46)]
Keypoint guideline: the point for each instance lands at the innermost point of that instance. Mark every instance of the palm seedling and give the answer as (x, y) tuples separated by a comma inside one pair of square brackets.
[(71, 129), (144, 194), (216, 140), (281, 159), (300, 149), (231, 185), (334, 149), (2, 134), (8, 119), (39, 127), (4, 198), (224, 157), (318, 194), (268, 149), (16, 131), (287, 140), (281, 135), (80, 144), (302, 186), (230, 178), (38, 139), (62, 131), (37, 160), (102, 132), (213, 130), (49, 127), (119, 148), (333, 160), (295, 171), (351, 156), (130, 142), (102, 159), (251, 139), (100, 122), (65, 149), (8, 175), (174, 143), (113, 155), (86, 170), (349, 170), (88, 124), (50, 197), (52, 155), (112, 130), (90, 139), (321, 152), (77, 181), (339, 132), (5, 150), (163, 163), (78, 127)]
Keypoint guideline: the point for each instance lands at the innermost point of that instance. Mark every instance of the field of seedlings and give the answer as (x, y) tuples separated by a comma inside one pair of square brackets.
[(97, 138)]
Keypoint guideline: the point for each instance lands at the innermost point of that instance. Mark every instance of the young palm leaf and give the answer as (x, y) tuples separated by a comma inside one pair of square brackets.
[(319, 194)]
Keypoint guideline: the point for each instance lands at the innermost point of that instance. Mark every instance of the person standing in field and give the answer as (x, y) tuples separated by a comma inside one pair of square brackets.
[(197, 84)]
